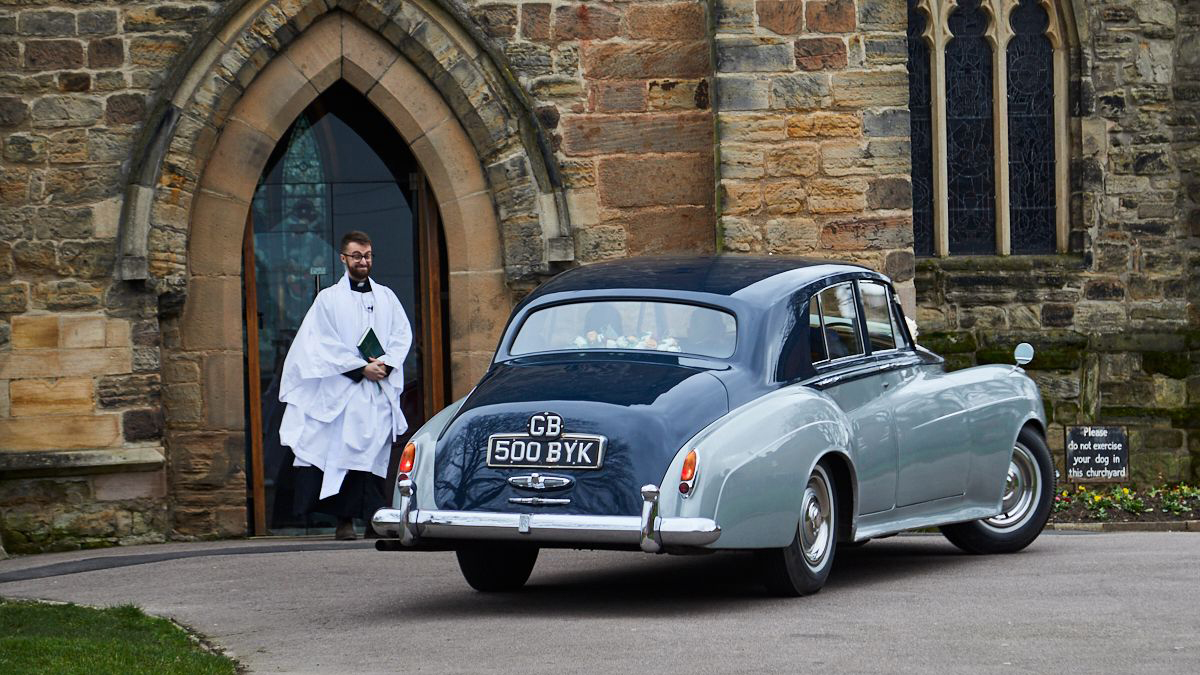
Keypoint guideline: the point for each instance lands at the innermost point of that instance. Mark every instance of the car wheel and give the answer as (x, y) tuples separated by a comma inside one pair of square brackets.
[(490, 567), (1028, 497), (802, 567)]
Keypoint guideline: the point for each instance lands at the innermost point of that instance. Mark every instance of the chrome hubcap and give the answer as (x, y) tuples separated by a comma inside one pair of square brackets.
[(815, 528), (1021, 489)]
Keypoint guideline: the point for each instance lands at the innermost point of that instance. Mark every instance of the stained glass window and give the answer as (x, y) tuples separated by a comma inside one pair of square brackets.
[(969, 133), (921, 130), (1031, 131)]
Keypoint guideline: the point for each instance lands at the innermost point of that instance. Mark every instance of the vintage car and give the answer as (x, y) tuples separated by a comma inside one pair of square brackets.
[(685, 405)]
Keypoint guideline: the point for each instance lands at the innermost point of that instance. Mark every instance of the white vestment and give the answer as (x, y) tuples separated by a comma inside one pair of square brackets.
[(332, 422)]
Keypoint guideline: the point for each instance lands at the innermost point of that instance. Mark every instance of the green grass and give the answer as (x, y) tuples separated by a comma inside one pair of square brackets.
[(68, 640)]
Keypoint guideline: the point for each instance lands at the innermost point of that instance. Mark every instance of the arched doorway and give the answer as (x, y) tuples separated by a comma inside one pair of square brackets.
[(340, 166)]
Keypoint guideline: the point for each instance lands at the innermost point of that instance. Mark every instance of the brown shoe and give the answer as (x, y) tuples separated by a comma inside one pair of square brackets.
[(345, 531)]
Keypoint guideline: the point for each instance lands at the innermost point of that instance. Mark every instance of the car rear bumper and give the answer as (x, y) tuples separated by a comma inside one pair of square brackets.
[(650, 532)]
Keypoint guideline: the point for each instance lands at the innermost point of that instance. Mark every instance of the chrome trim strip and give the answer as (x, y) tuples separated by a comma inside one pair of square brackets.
[(539, 501), (545, 527)]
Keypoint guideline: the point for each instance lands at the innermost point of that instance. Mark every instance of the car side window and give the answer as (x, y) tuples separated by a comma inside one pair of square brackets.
[(816, 338), (839, 320), (877, 310)]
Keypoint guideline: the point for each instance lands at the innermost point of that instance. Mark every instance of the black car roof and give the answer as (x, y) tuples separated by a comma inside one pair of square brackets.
[(720, 275)]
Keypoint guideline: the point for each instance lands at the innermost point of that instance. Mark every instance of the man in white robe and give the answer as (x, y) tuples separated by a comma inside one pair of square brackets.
[(343, 411)]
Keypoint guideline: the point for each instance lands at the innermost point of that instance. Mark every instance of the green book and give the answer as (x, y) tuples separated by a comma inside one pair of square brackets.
[(369, 345)]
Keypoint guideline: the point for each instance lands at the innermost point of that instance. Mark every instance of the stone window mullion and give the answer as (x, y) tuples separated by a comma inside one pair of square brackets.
[(937, 35), (999, 35)]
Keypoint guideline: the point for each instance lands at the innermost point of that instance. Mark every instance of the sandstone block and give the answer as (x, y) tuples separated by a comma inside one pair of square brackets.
[(754, 55), (116, 333), (627, 96), (86, 259), (51, 397), (597, 135), (742, 92), (212, 318), (837, 196), (629, 61), (830, 16), (791, 236), (97, 22), (752, 128), (529, 59), (674, 21), (800, 91), (821, 53), (870, 88), (31, 363), (81, 332), (223, 397), (155, 52), (889, 193), (655, 181), (36, 257), (741, 161), (586, 22), (535, 21), (599, 242), (125, 109), (496, 20), (13, 111), (785, 197), (740, 198), (74, 82), (740, 235), (674, 230), (142, 425), (66, 111), (59, 432), (867, 233), (893, 122), (677, 95), (882, 15), (478, 329), (886, 49), (824, 124), (53, 54), (122, 391), (46, 22), (106, 53), (127, 486), (35, 332), (14, 297), (785, 17), (794, 160)]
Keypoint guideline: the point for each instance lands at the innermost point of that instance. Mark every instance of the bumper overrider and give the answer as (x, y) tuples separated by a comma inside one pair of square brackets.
[(650, 532)]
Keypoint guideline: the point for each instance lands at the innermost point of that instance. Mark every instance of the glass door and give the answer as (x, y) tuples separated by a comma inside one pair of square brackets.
[(341, 166)]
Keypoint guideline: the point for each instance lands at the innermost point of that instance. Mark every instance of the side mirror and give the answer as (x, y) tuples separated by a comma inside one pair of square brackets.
[(1023, 353)]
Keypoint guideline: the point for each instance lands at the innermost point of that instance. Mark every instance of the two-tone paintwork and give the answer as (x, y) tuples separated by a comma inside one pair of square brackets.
[(910, 444)]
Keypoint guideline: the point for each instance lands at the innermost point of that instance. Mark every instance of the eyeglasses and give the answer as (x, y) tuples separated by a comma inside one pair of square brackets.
[(358, 257)]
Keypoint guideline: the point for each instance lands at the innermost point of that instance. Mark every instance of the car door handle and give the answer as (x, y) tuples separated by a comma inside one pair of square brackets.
[(886, 385)]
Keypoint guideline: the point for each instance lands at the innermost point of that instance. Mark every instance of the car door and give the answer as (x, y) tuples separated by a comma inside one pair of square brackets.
[(851, 379), (931, 433)]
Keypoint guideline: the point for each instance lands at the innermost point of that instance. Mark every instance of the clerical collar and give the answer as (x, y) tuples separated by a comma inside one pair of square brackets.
[(363, 286)]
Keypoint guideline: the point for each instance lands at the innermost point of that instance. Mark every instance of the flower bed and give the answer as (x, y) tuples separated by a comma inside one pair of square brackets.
[(1124, 505)]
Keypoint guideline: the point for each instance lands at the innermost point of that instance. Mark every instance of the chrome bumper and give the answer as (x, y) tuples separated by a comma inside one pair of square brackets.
[(650, 531)]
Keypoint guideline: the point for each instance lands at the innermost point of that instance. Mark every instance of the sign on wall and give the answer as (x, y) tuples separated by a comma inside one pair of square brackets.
[(1097, 454)]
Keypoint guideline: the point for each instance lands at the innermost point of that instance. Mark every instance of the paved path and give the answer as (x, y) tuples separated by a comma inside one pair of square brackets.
[(1080, 603)]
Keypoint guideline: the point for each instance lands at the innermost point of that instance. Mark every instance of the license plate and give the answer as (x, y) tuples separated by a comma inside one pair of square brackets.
[(568, 451)]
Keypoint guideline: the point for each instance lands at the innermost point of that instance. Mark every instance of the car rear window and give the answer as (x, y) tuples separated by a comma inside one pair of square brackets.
[(628, 324)]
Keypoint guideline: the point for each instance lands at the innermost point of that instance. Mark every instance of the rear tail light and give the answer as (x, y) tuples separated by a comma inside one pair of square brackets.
[(407, 459), (687, 475)]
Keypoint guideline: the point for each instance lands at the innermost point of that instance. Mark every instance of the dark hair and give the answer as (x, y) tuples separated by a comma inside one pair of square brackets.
[(356, 236)]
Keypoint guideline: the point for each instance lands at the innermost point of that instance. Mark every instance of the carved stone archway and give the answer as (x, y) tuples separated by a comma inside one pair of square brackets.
[(203, 357)]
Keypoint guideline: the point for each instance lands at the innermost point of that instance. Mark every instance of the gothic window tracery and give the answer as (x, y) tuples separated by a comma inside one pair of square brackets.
[(987, 105)]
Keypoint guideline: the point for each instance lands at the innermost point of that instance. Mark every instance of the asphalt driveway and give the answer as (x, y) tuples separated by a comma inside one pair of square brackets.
[(1072, 602)]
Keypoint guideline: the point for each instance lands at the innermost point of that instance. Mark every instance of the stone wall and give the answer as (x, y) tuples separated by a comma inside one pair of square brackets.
[(813, 113), (80, 416), (1115, 321)]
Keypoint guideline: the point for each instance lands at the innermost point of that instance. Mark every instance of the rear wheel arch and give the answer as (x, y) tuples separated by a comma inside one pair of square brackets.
[(841, 470)]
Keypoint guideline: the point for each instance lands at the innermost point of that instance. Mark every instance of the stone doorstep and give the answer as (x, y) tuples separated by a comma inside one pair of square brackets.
[(15, 465), (1156, 526)]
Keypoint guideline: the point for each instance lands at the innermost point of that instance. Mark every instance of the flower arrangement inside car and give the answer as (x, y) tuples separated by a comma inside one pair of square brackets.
[(610, 338)]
